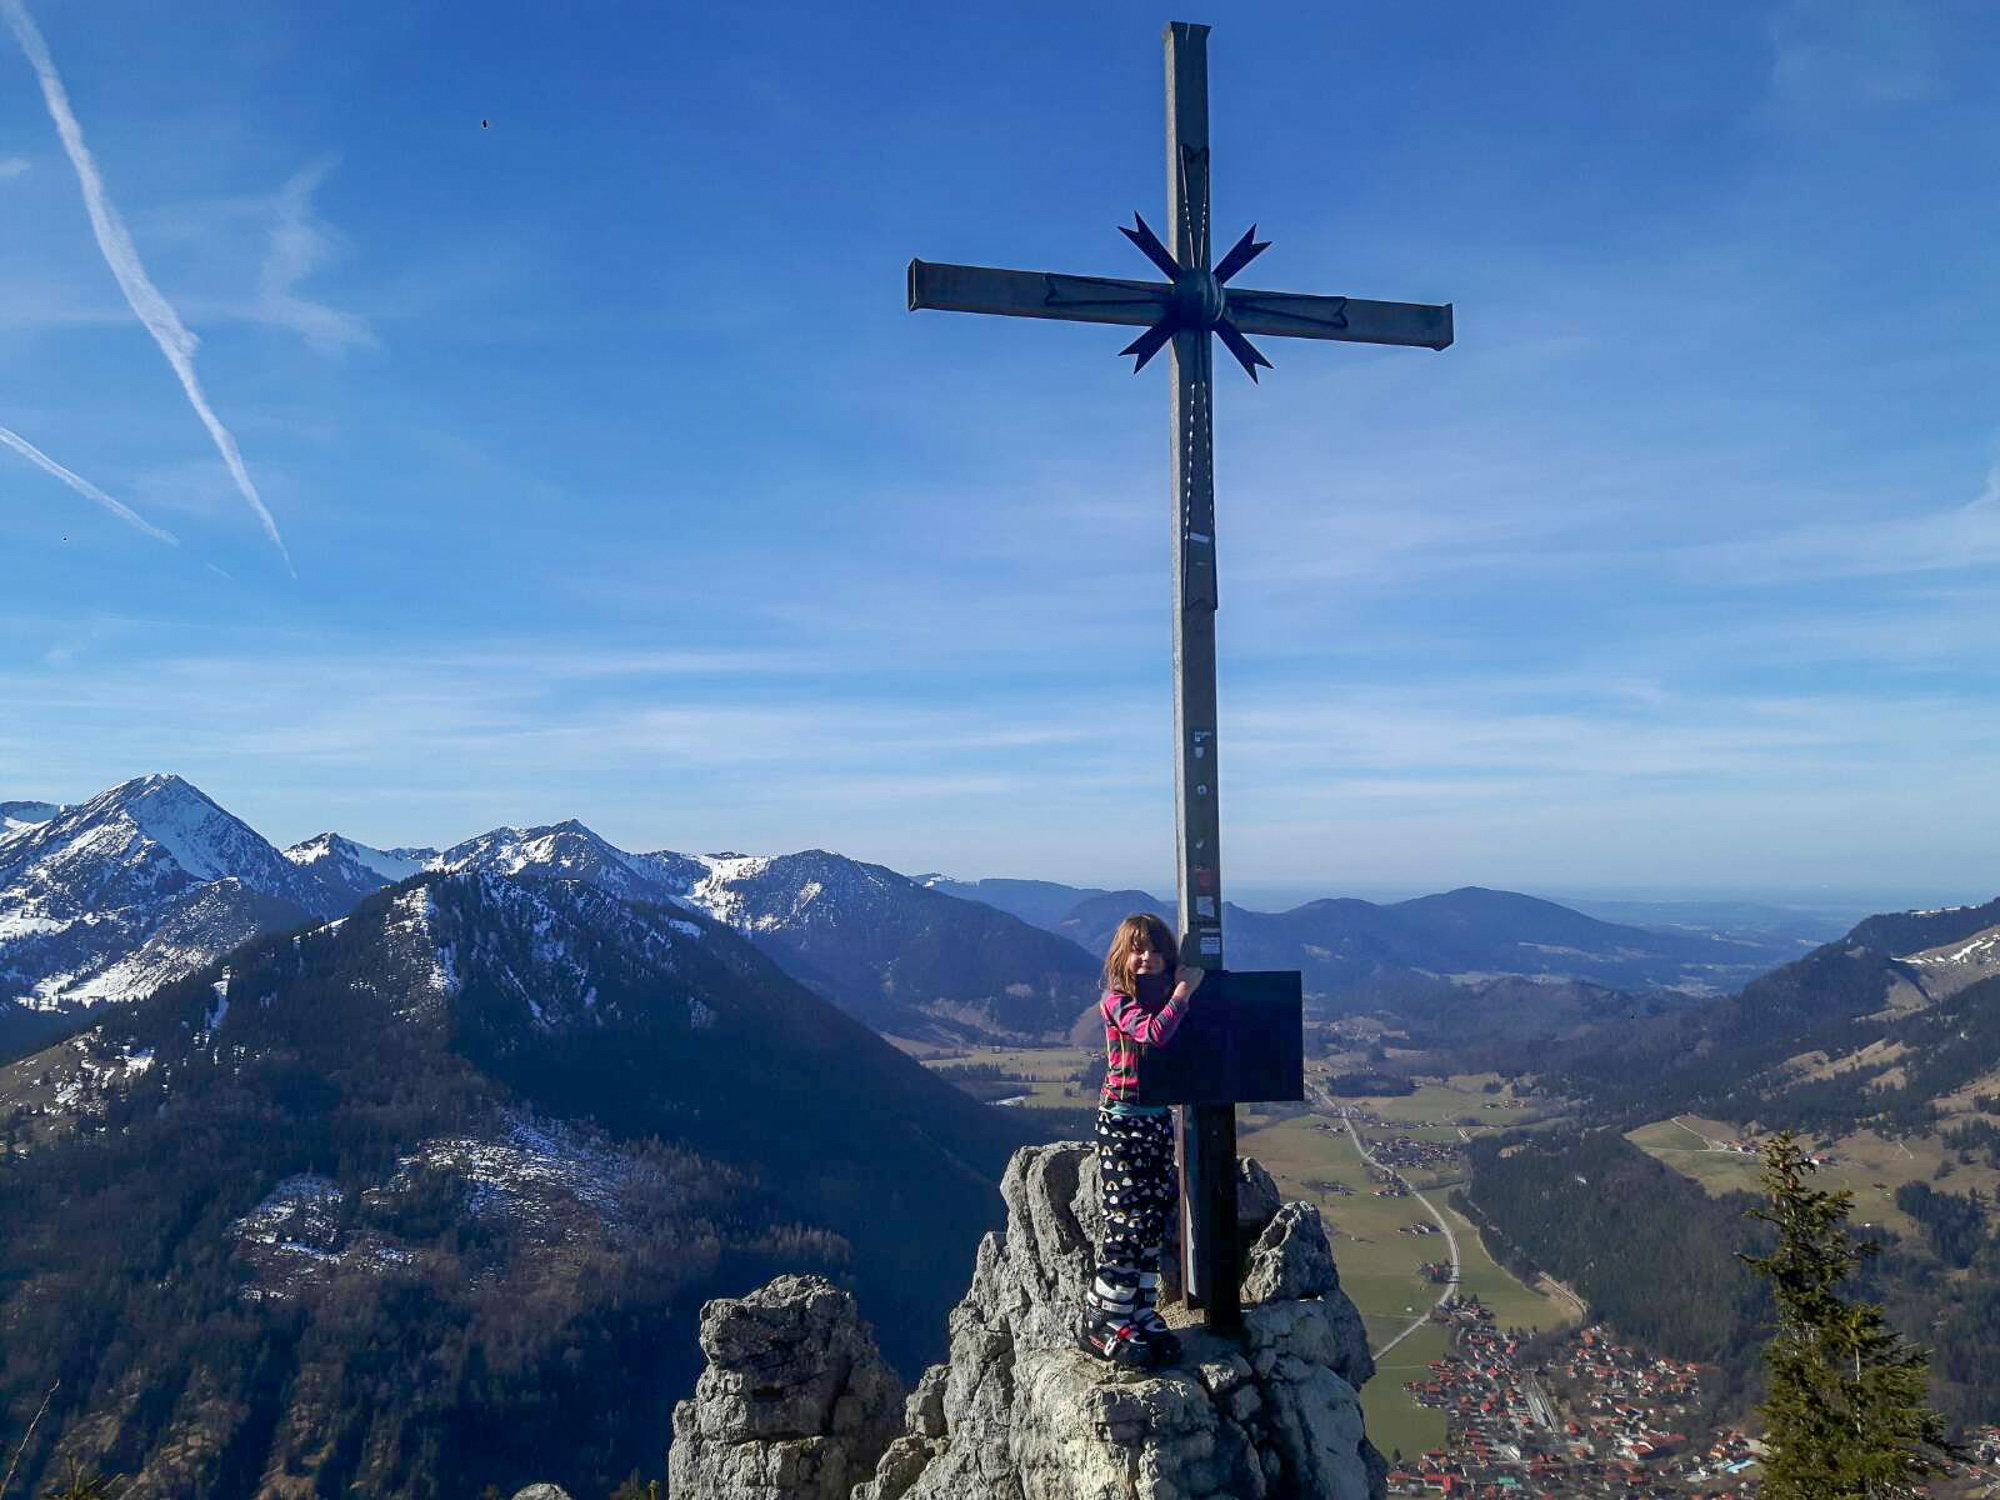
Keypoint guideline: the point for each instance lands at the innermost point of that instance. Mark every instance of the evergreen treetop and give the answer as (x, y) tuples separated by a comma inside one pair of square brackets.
[(1847, 1415)]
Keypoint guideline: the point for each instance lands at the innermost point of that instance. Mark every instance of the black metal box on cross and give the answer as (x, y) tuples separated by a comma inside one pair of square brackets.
[(1243, 1042)]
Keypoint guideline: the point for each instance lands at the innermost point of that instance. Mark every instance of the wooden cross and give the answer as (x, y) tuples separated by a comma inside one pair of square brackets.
[(1192, 303)]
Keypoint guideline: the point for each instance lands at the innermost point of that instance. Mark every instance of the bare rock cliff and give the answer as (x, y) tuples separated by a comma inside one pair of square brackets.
[(1018, 1412), (796, 1400)]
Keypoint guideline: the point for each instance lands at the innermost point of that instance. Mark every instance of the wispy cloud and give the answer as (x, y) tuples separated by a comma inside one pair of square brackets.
[(300, 245), (176, 342), (83, 486), (12, 166), (1945, 540)]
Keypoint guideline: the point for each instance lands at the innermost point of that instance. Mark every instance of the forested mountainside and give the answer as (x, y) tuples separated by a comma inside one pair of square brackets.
[(1886, 1024), (1890, 1033), (426, 1198), (1658, 1257)]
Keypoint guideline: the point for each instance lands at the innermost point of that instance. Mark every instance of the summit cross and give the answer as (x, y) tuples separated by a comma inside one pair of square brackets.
[(1194, 302)]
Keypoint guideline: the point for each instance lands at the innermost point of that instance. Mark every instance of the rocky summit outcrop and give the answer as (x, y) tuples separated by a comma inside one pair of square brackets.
[(796, 1400), (1018, 1412)]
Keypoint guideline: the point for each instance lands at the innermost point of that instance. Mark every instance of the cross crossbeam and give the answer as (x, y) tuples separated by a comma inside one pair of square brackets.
[(1136, 304), (1180, 313)]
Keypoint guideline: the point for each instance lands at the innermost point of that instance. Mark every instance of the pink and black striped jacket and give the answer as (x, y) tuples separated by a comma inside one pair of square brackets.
[(1130, 1023)]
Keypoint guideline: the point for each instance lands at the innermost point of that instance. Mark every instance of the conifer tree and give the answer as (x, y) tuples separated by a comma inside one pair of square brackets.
[(1847, 1415)]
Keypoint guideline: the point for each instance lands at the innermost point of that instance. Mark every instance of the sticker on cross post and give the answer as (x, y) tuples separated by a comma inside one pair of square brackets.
[(1204, 906), (1211, 944)]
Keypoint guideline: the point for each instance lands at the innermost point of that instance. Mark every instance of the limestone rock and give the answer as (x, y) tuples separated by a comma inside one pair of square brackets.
[(1257, 1198), (543, 1491), (796, 1400), (1257, 1203), (1020, 1413), (1291, 1259)]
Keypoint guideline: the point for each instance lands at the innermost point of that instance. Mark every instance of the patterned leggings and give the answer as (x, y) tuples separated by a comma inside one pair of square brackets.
[(1138, 1184)]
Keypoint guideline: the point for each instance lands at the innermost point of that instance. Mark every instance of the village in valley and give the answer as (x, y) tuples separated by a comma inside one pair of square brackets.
[(1587, 1416), (1579, 1414)]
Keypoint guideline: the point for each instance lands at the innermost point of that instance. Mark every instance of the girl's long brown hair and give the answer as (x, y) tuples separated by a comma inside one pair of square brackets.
[(1140, 930)]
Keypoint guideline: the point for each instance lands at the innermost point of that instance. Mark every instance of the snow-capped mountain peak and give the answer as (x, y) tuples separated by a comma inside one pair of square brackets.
[(148, 837), (345, 870), (570, 851), (134, 887)]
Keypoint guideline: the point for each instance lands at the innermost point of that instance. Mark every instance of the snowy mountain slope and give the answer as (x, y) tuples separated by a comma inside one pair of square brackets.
[(1949, 967), (84, 891), (570, 851), (142, 839), (189, 931), (898, 955), (151, 879), (14, 816), (879, 945), (345, 871)]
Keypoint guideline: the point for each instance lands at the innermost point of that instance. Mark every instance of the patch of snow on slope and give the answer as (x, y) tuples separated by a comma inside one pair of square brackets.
[(15, 816), (414, 914), (20, 924), (534, 1174), (84, 1091), (714, 893), (305, 1202), (217, 1011), (1983, 948)]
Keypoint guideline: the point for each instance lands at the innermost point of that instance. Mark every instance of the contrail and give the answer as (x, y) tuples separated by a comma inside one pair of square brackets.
[(83, 486), (122, 256)]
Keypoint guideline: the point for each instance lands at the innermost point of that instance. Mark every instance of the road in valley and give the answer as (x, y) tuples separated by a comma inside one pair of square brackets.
[(1450, 1239)]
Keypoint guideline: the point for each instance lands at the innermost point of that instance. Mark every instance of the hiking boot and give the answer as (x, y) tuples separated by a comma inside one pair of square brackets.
[(1163, 1341), (1116, 1341), (1111, 1327)]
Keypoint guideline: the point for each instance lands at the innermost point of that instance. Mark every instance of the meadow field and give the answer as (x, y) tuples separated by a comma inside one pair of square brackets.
[(1870, 1166)]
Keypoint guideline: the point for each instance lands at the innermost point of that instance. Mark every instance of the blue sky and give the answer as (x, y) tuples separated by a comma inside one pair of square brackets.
[(567, 350)]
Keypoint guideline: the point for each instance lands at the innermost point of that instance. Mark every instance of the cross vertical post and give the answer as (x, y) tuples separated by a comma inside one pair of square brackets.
[(1194, 302), (1206, 1140)]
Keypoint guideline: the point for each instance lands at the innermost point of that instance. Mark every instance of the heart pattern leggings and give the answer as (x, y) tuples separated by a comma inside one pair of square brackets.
[(1138, 1186)]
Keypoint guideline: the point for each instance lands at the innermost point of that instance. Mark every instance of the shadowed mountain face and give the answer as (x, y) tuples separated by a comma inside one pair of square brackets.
[(1887, 1038), (426, 1198)]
